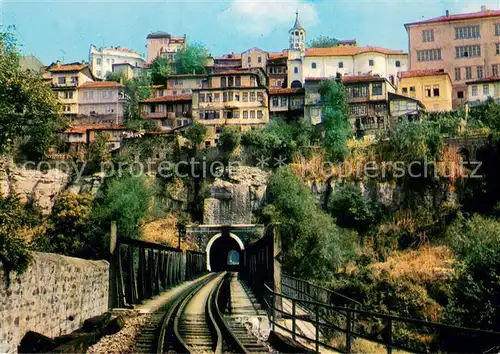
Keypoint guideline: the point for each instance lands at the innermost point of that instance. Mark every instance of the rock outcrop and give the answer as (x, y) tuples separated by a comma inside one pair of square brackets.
[(234, 198)]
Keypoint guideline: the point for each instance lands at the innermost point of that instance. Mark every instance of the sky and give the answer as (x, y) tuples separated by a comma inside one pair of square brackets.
[(64, 29)]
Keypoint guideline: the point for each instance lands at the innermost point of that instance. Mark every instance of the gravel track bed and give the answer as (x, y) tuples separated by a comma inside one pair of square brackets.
[(123, 341)]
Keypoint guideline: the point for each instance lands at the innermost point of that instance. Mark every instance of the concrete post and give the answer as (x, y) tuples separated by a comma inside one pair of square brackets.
[(113, 281), (278, 303)]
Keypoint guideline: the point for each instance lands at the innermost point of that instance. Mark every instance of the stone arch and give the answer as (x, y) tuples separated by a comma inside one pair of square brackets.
[(296, 84), (215, 238)]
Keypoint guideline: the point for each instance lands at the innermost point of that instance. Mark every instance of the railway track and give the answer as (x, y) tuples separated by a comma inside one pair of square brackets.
[(194, 322)]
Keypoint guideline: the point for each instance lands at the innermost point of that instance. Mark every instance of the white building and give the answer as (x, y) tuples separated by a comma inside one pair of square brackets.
[(345, 60), (101, 102), (102, 59), (482, 89)]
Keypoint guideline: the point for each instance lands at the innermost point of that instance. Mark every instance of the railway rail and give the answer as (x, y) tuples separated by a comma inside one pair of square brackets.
[(194, 321)]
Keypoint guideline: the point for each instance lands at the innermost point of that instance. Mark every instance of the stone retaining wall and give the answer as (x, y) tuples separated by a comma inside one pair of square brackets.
[(53, 297)]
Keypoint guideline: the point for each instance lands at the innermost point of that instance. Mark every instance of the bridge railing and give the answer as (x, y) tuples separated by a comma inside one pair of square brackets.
[(391, 332), (195, 264)]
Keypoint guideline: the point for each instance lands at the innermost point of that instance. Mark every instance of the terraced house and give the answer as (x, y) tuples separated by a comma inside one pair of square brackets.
[(237, 97), (465, 46)]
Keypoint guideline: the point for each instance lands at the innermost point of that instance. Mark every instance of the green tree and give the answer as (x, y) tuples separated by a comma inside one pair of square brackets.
[(323, 42), (312, 245), (118, 76), (191, 59), (196, 134), (229, 138), (136, 90), (160, 69), (29, 110), (335, 119)]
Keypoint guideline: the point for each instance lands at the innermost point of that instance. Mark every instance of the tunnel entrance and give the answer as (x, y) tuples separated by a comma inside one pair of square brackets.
[(223, 253)]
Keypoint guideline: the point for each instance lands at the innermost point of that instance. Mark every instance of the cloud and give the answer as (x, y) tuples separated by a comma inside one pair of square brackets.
[(261, 17), (476, 6)]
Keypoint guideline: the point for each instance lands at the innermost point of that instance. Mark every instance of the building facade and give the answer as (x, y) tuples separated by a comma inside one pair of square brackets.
[(481, 90), (102, 59), (168, 112), (254, 58), (128, 70), (286, 103), (466, 46), (65, 81), (431, 87), (231, 98), (101, 102), (163, 44)]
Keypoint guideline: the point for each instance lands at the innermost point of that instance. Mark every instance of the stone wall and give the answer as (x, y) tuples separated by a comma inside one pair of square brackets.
[(53, 297)]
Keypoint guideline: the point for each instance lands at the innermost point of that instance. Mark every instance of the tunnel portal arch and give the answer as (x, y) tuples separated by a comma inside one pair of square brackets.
[(222, 246)]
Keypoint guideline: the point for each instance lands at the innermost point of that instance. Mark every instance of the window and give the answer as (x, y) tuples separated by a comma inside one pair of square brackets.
[(497, 29), (259, 59), (497, 50), (468, 73), (468, 51), (284, 101), (245, 114), (236, 114), (223, 82), (252, 96), (412, 91), (260, 97), (245, 97), (275, 101), (230, 96), (296, 70), (435, 90), (216, 97), (377, 89), (428, 35), (107, 94), (480, 72), (358, 91), (209, 97), (99, 73), (61, 80), (252, 114), (89, 95), (341, 65), (249, 60), (429, 55), (474, 90), (467, 32), (99, 61), (398, 64), (460, 94), (494, 70), (253, 81), (427, 91), (237, 97), (380, 108), (230, 81), (67, 95), (458, 74), (238, 81), (259, 114), (486, 89), (405, 90), (202, 97), (370, 62), (313, 65), (358, 109), (224, 97)]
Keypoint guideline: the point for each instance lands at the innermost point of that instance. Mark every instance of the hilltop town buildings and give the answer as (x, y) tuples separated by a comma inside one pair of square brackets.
[(481, 90), (102, 59), (163, 44), (466, 46)]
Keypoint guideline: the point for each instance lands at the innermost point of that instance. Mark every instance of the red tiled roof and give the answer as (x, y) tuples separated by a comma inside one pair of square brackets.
[(485, 80), (229, 57), (421, 73), (284, 91), (347, 51), (457, 17), (66, 67), (169, 98), (100, 84), (362, 78), (82, 128), (278, 55)]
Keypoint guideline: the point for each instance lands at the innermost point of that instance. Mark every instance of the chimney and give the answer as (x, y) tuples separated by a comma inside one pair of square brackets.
[(447, 13), (484, 8)]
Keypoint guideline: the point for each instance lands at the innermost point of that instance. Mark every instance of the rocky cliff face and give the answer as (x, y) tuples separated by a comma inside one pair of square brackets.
[(42, 187), (234, 199)]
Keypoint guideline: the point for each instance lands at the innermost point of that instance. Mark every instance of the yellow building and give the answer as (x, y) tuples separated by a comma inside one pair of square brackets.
[(66, 78), (431, 87), (231, 98)]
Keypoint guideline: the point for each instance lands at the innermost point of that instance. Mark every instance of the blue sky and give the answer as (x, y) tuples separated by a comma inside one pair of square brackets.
[(55, 29)]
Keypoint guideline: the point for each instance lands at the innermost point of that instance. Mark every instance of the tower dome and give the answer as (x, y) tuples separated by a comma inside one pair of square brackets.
[(297, 35)]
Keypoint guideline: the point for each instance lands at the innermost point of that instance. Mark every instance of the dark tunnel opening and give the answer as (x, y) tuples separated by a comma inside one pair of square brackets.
[(225, 254)]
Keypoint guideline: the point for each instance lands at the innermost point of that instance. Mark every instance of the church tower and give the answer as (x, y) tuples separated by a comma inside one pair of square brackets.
[(297, 36), (296, 53)]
